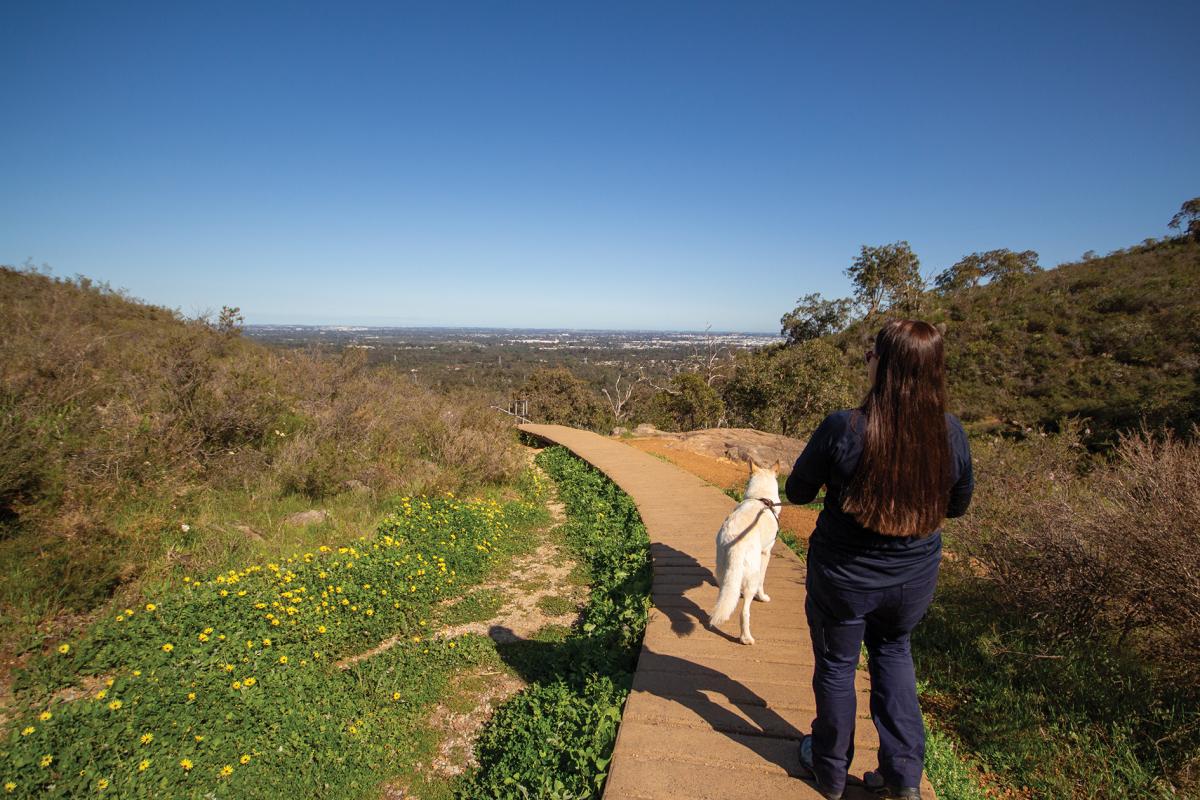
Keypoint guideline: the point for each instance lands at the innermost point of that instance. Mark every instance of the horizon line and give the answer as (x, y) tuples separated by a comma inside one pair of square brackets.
[(362, 326)]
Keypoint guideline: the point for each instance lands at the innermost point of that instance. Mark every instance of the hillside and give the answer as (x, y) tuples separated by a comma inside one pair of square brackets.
[(1115, 339), (136, 444)]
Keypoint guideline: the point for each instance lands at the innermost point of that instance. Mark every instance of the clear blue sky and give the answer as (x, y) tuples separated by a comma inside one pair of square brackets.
[(605, 165)]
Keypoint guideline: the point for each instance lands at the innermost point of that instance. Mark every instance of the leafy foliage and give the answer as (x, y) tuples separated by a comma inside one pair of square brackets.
[(688, 403), (1188, 218), (787, 390), (994, 265), (557, 397), (886, 277), (814, 317), (555, 739)]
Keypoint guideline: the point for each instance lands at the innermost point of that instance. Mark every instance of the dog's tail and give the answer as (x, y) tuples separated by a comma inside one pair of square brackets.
[(731, 590)]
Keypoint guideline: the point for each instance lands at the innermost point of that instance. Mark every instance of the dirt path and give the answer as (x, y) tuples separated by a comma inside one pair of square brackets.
[(709, 717), (537, 589)]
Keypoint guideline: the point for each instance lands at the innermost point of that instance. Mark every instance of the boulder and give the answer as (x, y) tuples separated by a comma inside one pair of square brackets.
[(312, 517)]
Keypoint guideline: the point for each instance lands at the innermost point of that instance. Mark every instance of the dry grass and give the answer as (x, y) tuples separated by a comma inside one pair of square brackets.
[(134, 442), (1098, 561), (1104, 554)]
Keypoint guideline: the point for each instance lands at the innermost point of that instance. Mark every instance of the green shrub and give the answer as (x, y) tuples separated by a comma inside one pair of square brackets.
[(555, 739)]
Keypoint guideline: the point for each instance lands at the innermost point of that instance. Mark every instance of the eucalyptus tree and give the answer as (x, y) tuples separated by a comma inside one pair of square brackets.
[(886, 277)]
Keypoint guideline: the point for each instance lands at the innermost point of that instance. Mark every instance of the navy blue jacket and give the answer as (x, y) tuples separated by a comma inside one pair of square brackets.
[(847, 553)]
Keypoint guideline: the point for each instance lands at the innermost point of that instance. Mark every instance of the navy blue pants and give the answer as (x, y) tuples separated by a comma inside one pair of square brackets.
[(840, 621)]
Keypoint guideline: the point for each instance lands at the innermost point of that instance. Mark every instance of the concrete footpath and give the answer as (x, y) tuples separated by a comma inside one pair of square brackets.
[(709, 717)]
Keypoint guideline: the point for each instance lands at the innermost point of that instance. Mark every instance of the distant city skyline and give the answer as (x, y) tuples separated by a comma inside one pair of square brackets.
[(570, 331), (617, 166)]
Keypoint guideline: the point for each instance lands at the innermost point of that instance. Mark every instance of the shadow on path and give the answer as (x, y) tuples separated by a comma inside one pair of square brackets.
[(684, 573)]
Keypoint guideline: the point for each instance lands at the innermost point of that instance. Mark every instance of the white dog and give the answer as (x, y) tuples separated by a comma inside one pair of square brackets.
[(744, 547)]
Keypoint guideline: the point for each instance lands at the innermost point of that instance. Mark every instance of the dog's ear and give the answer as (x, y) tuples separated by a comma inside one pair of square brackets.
[(777, 467), (753, 466)]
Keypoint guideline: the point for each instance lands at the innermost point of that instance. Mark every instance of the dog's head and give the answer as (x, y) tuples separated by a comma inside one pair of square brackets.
[(763, 481)]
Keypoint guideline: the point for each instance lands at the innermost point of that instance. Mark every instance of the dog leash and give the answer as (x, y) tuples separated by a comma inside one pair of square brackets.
[(770, 504)]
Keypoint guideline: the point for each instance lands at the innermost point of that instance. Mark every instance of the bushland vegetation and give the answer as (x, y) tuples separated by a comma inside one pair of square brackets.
[(1068, 605), (135, 443), (1112, 341)]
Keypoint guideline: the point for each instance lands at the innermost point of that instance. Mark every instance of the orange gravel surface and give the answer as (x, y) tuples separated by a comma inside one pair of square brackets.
[(724, 474)]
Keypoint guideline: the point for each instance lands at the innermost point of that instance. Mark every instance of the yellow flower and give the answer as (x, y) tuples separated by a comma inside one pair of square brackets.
[(137, 673), (46, 760), (28, 730), (150, 606), (64, 648), (44, 716), (114, 705), (9, 786), (191, 695), (395, 695), (283, 659), (250, 681), (226, 771), (229, 667), (245, 759), (144, 765), (147, 738), (199, 738), (186, 763), (266, 642), (100, 695), (320, 629), (236, 684), (168, 647), (102, 784)]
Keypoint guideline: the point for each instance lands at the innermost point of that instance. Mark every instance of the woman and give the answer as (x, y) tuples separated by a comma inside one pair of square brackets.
[(894, 468)]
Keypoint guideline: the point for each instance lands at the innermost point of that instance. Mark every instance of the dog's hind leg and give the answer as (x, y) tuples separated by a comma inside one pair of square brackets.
[(748, 590), (761, 594)]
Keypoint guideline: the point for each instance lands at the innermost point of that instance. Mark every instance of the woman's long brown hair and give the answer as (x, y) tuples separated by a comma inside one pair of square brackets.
[(902, 484)]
